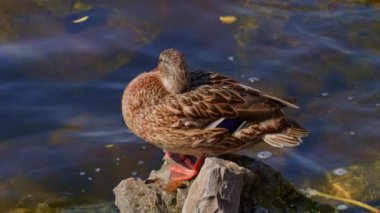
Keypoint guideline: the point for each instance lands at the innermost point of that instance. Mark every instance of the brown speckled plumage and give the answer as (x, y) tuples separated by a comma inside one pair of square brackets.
[(175, 109)]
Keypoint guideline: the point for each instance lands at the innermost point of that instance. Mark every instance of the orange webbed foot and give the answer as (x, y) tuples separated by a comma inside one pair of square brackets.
[(186, 171), (180, 173)]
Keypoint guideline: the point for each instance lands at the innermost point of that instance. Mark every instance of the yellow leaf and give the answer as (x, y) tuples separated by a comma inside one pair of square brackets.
[(79, 20), (227, 19), (109, 146)]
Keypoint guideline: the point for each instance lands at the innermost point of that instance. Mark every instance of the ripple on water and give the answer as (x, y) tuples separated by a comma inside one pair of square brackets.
[(264, 154), (342, 207), (340, 171), (325, 94)]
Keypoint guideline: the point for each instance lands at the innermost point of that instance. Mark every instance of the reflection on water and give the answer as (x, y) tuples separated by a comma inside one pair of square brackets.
[(63, 143)]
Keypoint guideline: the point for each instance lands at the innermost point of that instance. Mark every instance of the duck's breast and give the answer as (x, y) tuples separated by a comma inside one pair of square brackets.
[(139, 98)]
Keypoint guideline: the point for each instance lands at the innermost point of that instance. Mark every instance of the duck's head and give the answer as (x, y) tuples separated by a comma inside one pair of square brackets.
[(172, 69)]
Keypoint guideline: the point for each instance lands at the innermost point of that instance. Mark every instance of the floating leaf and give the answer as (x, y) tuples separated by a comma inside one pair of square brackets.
[(110, 146), (227, 19), (80, 20)]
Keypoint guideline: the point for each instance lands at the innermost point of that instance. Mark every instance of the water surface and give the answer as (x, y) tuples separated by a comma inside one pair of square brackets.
[(63, 142)]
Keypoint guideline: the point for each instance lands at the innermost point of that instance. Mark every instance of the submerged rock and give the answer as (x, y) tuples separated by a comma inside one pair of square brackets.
[(358, 182), (230, 183)]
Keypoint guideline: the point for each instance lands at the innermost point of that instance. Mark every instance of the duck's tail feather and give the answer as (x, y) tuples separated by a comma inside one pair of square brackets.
[(281, 140), (291, 136), (276, 130)]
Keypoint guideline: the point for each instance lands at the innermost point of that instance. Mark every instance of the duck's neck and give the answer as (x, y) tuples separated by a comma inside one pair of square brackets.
[(145, 90), (175, 82)]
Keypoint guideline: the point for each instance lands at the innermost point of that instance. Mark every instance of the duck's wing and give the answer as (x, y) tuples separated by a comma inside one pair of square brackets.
[(215, 96), (218, 102), (275, 129), (200, 77)]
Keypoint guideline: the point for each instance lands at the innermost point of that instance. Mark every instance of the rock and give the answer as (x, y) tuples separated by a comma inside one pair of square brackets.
[(134, 195), (222, 194), (358, 181), (229, 183)]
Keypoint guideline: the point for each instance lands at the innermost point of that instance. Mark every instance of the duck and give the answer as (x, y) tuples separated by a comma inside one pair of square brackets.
[(197, 114)]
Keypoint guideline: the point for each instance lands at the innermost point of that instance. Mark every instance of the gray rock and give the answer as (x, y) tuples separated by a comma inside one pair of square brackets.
[(218, 187), (229, 183), (134, 195)]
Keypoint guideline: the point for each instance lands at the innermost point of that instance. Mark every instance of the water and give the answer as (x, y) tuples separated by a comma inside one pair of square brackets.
[(63, 141)]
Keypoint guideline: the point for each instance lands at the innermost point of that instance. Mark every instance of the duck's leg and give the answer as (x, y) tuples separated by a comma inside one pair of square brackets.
[(187, 160), (181, 173)]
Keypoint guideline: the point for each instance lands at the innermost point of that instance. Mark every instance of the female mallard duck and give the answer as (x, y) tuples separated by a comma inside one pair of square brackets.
[(202, 114)]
